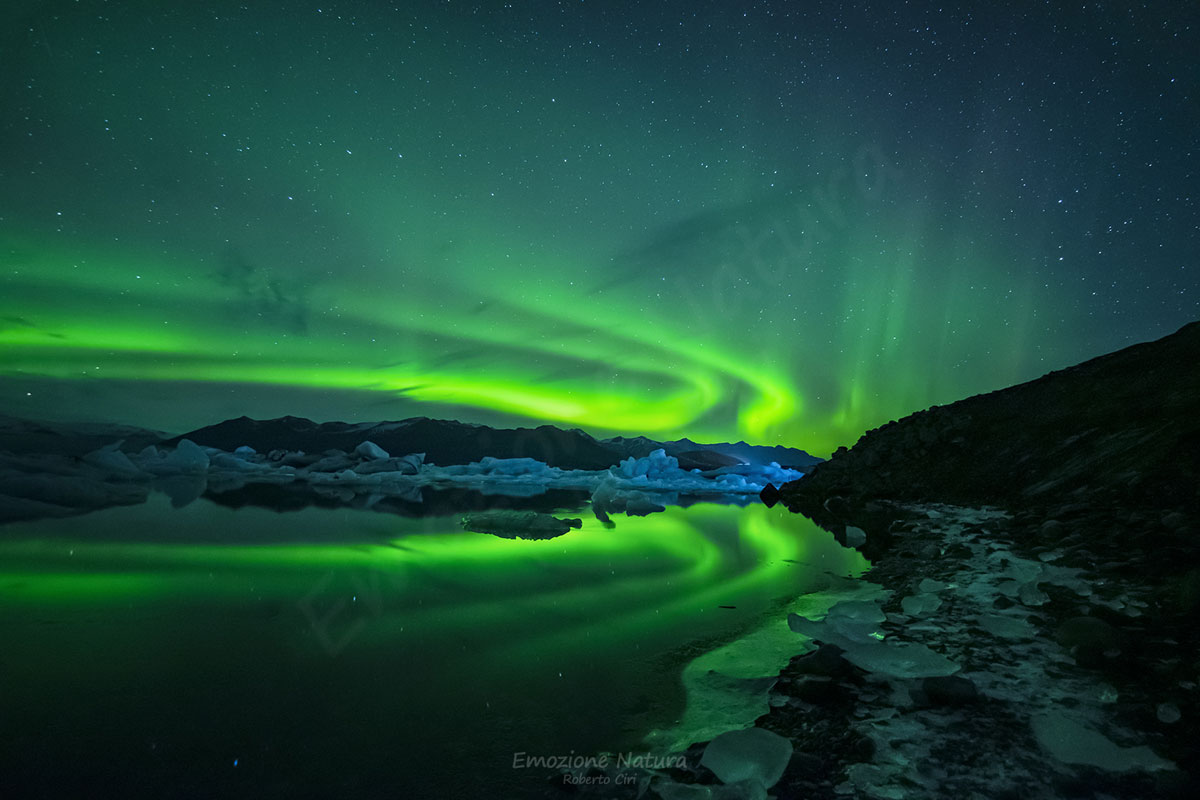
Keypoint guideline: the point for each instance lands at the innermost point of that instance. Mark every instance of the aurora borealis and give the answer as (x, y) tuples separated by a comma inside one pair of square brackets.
[(780, 222)]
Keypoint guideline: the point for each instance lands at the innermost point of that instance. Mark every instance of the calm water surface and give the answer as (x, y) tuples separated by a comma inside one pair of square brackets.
[(207, 651)]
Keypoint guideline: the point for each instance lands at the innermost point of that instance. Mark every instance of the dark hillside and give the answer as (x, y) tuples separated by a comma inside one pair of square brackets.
[(1122, 429)]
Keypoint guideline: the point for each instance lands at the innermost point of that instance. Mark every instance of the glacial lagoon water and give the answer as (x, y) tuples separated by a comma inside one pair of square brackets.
[(208, 651)]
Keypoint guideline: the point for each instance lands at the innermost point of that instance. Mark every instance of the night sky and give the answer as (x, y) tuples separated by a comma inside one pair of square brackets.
[(780, 222)]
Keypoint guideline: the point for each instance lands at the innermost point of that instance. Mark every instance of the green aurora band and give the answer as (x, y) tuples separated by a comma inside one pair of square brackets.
[(96, 318), (632, 223), (124, 334)]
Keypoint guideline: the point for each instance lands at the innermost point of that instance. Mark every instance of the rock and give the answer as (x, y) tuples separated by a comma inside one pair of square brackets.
[(68, 491), (950, 690), (1052, 529), (1175, 521), (817, 689), (826, 660), (836, 505), (1168, 713), (855, 537), (769, 495), (510, 524)]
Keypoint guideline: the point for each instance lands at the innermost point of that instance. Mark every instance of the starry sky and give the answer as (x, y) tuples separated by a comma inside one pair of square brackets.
[(784, 222)]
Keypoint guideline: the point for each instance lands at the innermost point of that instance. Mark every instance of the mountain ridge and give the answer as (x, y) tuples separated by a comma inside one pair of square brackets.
[(1121, 428), (447, 442)]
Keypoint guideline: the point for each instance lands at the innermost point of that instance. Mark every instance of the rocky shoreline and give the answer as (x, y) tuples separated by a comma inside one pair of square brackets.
[(1076, 679), (1041, 541), (1090, 472), (1072, 676)]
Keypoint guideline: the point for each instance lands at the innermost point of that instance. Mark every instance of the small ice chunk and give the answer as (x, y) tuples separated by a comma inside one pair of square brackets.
[(873, 780), (188, 458), (182, 489), (900, 660), (405, 465), (149, 453), (1008, 588), (110, 459), (640, 505), (334, 462), (855, 537), (489, 465), (1168, 713), (245, 450), (753, 754), (848, 623), (232, 463), (1029, 594), (611, 496), (1072, 743), (918, 605), (1006, 627), (657, 464), (371, 451)]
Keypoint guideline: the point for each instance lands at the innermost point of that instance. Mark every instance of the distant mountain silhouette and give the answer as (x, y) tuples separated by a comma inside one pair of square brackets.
[(443, 441), (446, 442)]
